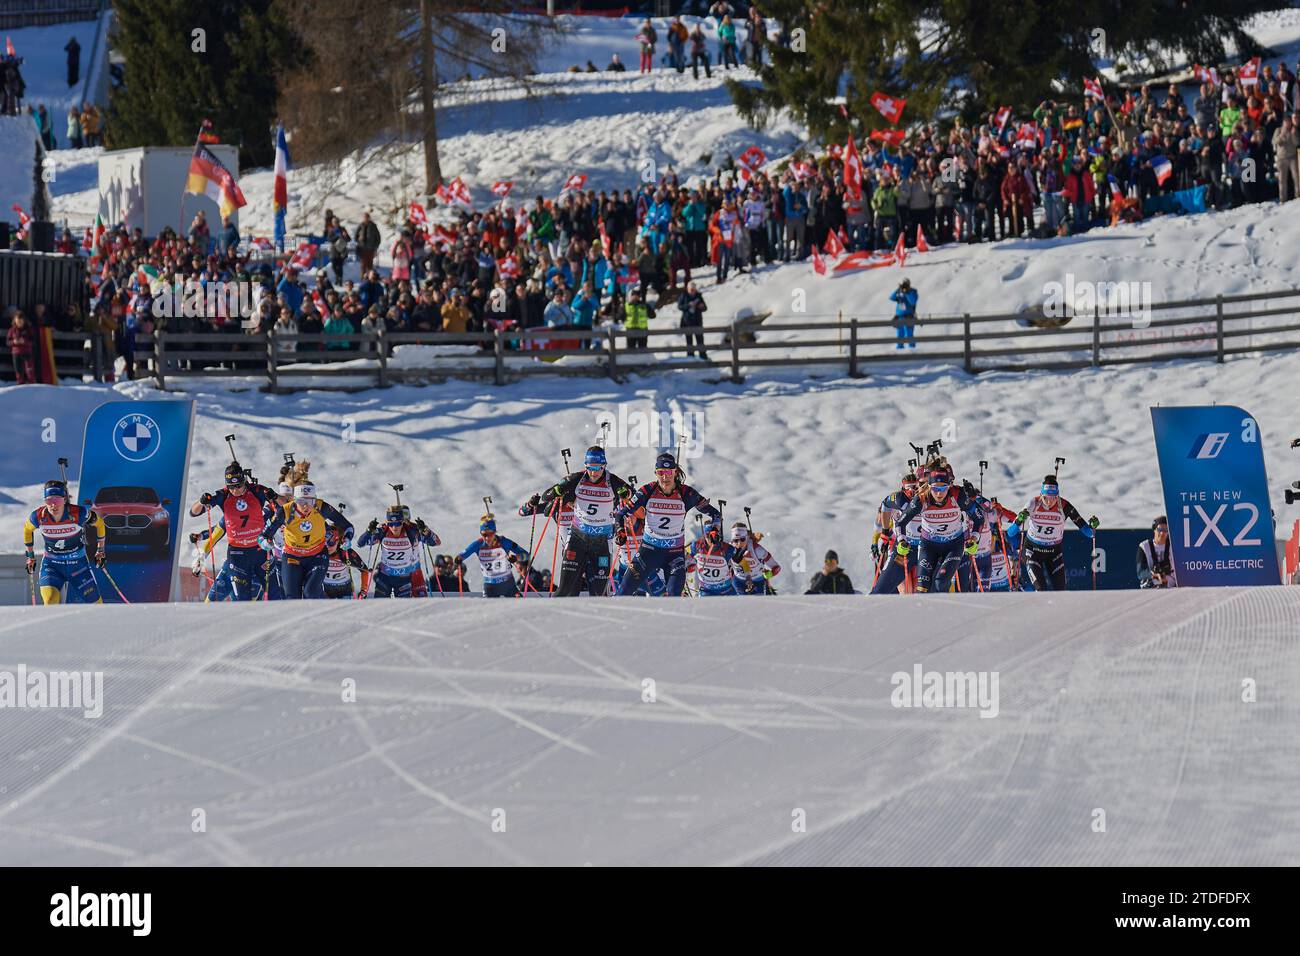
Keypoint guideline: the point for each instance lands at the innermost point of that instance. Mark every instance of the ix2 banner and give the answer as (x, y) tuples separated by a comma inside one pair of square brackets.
[(1216, 496), (134, 466)]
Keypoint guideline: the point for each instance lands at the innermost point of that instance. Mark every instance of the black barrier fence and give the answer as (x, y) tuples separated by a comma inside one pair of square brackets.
[(28, 278)]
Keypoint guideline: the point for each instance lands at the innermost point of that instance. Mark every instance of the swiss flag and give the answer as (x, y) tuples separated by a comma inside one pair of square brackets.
[(819, 264), (442, 236), (890, 137), (852, 171), (834, 248), (1002, 117), (803, 170), (864, 260), (835, 151), (502, 188), (921, 244), (1248, 73), (576, 181), (750, 162), (900, 251), (891, 108), (509, 267), (459, 192), (303, 256), (416, 214)]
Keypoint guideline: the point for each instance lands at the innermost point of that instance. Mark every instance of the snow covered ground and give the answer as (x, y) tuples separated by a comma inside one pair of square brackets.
[(651, 732)]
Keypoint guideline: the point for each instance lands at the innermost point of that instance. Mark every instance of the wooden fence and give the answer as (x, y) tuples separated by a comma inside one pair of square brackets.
[(1191, 329)]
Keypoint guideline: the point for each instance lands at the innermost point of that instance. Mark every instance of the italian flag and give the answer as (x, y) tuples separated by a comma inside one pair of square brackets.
[(98, 236)]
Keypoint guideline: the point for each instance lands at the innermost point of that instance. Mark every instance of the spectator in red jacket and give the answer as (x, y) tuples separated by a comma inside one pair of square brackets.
[(1080, 190), (22, 348), (1017, 200)]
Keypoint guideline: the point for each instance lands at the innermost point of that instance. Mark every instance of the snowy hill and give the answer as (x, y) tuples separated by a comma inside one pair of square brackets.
[(650, 732)]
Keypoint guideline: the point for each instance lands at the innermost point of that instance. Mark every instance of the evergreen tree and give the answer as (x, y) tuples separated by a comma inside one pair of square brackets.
[(967, 56), (187, 60)]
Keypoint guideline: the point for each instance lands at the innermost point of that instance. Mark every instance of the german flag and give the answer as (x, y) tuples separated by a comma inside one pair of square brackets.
[(208, 177), (1072, 122)]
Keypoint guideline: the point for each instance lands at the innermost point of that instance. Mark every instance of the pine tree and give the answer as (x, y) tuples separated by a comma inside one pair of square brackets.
[(969, 56), (187, 60), (40, 194)]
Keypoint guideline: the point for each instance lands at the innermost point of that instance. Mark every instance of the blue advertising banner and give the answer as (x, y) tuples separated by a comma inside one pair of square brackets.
[(135, 461), (1216, 496)]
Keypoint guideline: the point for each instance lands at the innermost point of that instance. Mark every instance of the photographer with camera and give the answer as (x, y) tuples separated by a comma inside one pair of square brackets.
[(904, 299), (1154, 558)]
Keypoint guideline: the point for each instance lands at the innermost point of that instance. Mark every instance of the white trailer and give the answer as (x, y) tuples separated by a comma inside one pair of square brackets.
[(145, 187)]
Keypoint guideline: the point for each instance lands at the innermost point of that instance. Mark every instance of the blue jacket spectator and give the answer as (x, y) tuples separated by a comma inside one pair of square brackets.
[(904, 299)]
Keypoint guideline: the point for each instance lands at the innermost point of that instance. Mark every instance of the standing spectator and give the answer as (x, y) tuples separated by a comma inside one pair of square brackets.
[(1017, 200), (677, 44), (884, 203), (647, 37), (796, 220), (944, 189), (338, 325), (699, 53), (695, 216), (22, 349), (1155, 560), (455, 313), (756, 39), (11, 85), (692, 306), (199, 233), (285, 325), (831, 579), (338, 239), (74, 128), (367, 243), (727, 44), (558, 314), (42, 120), (228, 241), (73, 49), (1284, 151), (904, 299), (90, 129), (1080, 190), (637, 322), (754, 213)]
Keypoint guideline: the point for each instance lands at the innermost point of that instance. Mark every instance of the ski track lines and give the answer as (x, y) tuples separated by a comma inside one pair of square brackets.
[(1125, 701)]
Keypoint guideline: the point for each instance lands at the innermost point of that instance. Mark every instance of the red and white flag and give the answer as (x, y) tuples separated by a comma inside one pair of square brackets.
[(502, 188), (576, 181), (750, 162), (23, 220), (442, 237), (890, 137), (834, 248), (508, 267), (864, 260), (9, 47), (900, 251), (835, 151), (1248, 72), (1002, 117), (921, 244), (890, 107), (819, 264), (852, 171), (459, 192), (1092, 88), (303, 256), (415, 212), (1205, 74), (1027, 136), (803, 170)]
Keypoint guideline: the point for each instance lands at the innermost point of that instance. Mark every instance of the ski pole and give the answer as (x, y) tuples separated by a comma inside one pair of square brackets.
[(434, 565), (212, 552), (460, 580), (545, 524), (555, 553), (531, 531), (31, 585), (114, 583)]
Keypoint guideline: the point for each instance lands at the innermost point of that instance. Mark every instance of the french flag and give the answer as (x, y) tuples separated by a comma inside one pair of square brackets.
[(281, 183), (1163, 169), (1115, 191)]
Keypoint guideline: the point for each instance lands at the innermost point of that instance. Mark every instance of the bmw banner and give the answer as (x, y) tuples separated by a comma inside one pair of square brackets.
[(134, 466), (1216, 496)]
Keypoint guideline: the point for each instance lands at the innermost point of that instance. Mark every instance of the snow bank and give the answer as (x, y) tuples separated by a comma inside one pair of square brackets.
[(653, 732)]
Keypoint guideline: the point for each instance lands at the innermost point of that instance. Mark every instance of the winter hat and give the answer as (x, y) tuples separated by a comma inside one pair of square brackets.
[(832, 556)]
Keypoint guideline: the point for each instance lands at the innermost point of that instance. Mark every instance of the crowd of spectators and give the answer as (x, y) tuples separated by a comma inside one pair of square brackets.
[(590, 259)]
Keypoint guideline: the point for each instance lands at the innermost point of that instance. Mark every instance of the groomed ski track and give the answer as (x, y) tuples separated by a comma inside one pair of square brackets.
[(531, 714)]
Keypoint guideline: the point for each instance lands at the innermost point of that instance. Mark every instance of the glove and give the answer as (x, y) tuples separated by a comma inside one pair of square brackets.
[(875, 552), (101, 558), (31, 563), (1022, 517), (972, 545), (373, 526), (194, 537), (346, 543), (1094, 522), (263, 543), (749, 587), (620, 537), (421, 527), (901, 549), (970, 489), (767, 574), (535, 502), (197, 567), (205, 499)]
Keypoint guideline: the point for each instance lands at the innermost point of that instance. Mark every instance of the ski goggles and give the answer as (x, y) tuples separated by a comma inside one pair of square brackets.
[(666, 472), (235, 482), (1051, 491), (1160, 529), (939, 484)]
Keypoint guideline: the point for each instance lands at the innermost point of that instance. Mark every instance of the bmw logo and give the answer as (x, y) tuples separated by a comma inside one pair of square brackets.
[(136, 437), (304, 525), (241, 504)]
